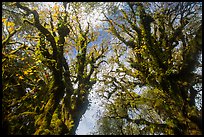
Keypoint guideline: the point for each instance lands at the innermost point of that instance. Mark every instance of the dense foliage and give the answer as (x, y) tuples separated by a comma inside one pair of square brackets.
[(148, 74), (43, 91), (162, 43)]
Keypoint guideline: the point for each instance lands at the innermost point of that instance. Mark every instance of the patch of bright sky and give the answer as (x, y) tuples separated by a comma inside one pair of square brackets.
[(88, 120)]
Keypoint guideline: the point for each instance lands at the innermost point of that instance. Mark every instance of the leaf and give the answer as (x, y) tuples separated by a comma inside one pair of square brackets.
[(56, 38), (35, 70), (55, 15), (25, 73), (39, 61), (11, 29), (56, 8), (10, 24), (20, 77), (4, 20), (152, 130), (31, 73), (185, 83)]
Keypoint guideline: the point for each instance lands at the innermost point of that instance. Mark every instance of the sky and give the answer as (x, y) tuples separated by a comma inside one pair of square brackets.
[(88, 121)]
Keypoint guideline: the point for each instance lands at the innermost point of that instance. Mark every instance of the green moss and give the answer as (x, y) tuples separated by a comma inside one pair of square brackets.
[(46, 132), (38, 120), (50, 103)]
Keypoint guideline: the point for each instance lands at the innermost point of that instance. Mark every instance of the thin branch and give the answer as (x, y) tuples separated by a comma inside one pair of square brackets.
[(5, 41), (42, 29)]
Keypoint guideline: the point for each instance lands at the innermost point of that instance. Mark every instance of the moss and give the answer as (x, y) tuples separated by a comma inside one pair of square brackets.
[(39, 120), (50, 103), (69, 123)]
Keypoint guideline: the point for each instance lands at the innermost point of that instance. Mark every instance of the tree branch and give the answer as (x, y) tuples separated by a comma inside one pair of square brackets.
[(42, 29)]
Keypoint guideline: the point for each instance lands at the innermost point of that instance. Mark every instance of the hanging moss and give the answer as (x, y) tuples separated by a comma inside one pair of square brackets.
[(38, 120), (49, 104)]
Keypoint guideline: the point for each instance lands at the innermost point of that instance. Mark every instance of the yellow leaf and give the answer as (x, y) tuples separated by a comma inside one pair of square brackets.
[(55, 15), (55, 29), (10, 24), (20, 77), (4, 20), (56, 7), (185, 83), (39, 61), (29, 70), (11, 29), (56, 38), (25, 73)]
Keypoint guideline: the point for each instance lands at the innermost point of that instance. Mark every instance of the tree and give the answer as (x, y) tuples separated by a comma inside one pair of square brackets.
[(164, 43), (51, 58), (50, 103)]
